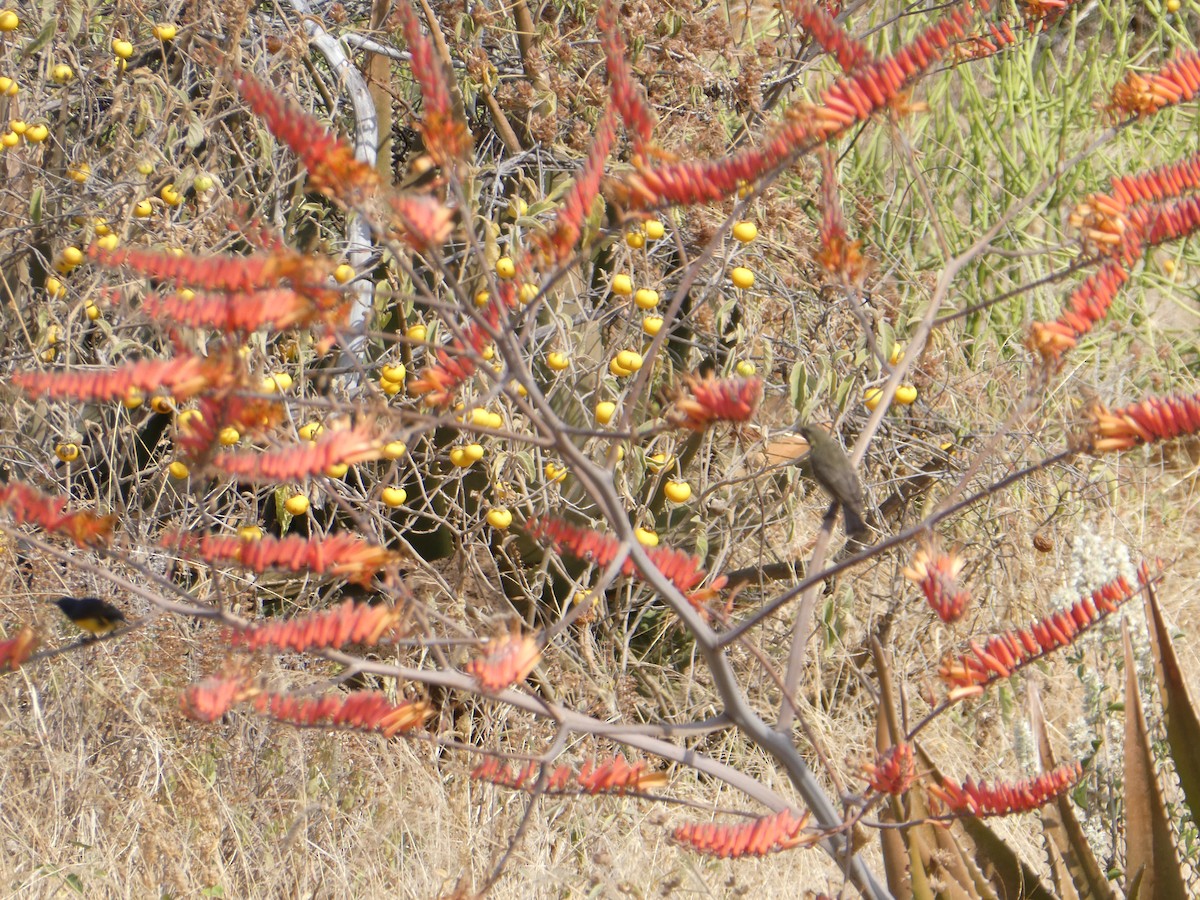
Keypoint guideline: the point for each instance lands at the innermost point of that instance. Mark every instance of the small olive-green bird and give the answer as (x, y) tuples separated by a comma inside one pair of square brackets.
[(91, 614), (832, 470)]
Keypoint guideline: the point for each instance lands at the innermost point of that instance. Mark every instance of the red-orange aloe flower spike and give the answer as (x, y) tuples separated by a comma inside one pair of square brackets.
[(242, 312), (216, 272), (500, 773), (332, 167), (1151, 420), (360, 710), (837, 254), (999, 37), (340, 555), (849, 52), (758, 837), (1004, 654), (1144, 95), (210, 699), (1162, 183), (506, 661), (348, 446), (183, 376), (349, 623), (893, 771), (1087, 305), (446, 136), (29, 506), (936, 573), (713, 399), (577, 204), (616, 776), (16, 650), (421, 221), (627, 95), (1000, 799)]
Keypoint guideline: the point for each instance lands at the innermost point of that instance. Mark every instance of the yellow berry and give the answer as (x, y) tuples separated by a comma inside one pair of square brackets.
[(677, 491), (9, 20), (250, 533), (54, 287), (871, 397), (133, 399), (558, 361), (627, 359), (12, 88), (10, 139), (123, 49), (517, 208), (655, 229), (656, 462), (343, 273), (741, 277), (170, 195), (555, 472), (5, 84), (394, 449), (297, 504), (108, 242), (391, 388), (78, 172), (67, 452), (337, 470), (458, 457), (52, 335), (646, 298), (92, 311), (745, 232), (482, 298), (35, 134), (279, 382), (473, 452), (73, 256), (203, 183), (416, 332), (143, 209), (646, 537), (1173, 6), (617, 369), (622, 285), (309, 430), (393, 496), (499, 518), (165, 31), (145, 167), (605, 410), (505, 267), (100, 224), (17, 126), (48, 355), (62, 73), (488, 353), (190, 417), (635, 239), (162, 405), (528, 293), (906, 394), (178, 469), (652, 325), (394, 373), (228, 436), (745, 368), (897, 354)]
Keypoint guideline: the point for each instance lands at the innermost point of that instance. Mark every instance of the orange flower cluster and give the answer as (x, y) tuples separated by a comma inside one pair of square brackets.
[(821, 26), (937, 575), (981, 799), (421, 221), (332, 168), (614, 775), (340, 555), (682, 570), (577, 204), (627, 95), (1144, 95), (16, 650), (506, 661), (999, 37), (872, 87), (837, 254), (758, 837), (29, 506), (210, 699), (1162, 183), (1153, 419), (349, 623), (893, 772), (183, 376), (195, 436), (1006, 653), (444, 132), (361, 710), (349, 446), (717, 399), (219, 272), (241, 312)]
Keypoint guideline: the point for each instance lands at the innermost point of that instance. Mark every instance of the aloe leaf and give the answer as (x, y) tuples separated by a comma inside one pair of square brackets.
[(1149, 849)]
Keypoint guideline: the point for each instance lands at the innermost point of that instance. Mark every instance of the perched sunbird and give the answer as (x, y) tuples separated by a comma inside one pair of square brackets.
[(91, 614)]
